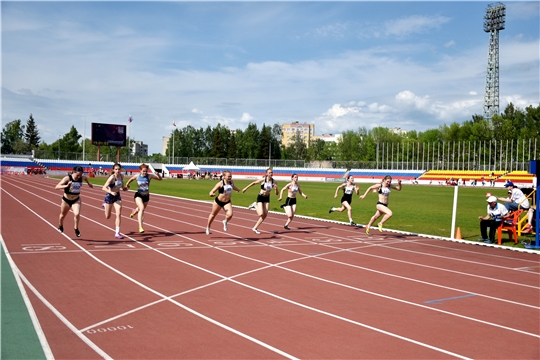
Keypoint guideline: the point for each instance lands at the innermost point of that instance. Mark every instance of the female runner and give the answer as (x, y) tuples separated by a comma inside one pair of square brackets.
[(112, 187), (72, 184), (263, 199), (290, 202), (383, 188), (223, 201), (142, 196), (348, 188)]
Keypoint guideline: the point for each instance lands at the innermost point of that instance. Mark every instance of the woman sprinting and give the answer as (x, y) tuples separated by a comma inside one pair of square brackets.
[(383, 188), (349, 187), (112, 187), (223, 200), (142, 196), (263, 198), (290, 202), (71, 184)]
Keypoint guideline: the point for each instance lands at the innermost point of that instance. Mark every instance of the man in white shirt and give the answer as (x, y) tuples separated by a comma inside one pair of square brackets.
[(496, 213), (516, 200)]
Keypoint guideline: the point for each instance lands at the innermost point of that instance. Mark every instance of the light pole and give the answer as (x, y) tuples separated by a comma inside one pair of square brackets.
[(58, 147)]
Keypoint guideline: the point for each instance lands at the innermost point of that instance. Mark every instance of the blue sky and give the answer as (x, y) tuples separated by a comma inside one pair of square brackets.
[(339, 65)]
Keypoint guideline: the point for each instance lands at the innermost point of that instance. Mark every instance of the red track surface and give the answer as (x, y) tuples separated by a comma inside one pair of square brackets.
[(320, 290)]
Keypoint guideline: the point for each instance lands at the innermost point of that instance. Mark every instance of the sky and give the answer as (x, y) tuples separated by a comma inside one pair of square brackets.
[(338, 65)]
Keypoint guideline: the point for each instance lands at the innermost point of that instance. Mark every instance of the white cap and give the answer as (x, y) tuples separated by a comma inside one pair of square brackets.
[(491, 199)]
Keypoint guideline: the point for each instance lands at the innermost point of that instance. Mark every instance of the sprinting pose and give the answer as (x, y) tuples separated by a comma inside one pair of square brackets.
[(263, 199), (348, 188), (142, 196), (71, 199), (112, 187), (223, 200), (383, 188), (290, 202)]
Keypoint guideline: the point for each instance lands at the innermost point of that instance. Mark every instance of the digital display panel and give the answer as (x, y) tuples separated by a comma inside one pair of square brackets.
[(108, 134)]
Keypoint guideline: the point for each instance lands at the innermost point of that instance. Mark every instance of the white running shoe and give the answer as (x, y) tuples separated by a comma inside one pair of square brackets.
[(207, 231), (256, 231), (224, 225), (252, 206)]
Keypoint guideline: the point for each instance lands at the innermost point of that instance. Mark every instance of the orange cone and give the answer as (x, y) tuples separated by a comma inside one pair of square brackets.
[(458, 234)]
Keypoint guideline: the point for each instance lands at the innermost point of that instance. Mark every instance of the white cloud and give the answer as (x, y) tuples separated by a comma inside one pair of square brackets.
[(415, 24), (450, 44), (473, 93), (196, 111), (246, 118)]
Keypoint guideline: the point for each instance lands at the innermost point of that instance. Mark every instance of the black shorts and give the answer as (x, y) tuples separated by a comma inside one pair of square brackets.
[(289, 202), (347, 198), (221, 203), (144, 197), (383, 204), (70, 202), (263, 199)]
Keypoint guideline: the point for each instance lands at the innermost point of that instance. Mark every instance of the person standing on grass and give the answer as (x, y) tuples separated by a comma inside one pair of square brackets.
[(263, 198), (142, 196), (71, 199), (290, 202), (349, 187), (496, 213), (224, 188), (112, 187), (383, 188)]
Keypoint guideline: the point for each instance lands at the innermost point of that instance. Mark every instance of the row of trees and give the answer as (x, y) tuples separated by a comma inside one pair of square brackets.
[(362, 145)]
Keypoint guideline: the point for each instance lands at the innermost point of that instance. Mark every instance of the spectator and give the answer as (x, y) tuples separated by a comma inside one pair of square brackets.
[(495, 215), (516, 199)]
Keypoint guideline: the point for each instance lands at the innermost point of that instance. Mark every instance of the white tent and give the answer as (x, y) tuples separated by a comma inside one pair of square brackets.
[(191, 167)]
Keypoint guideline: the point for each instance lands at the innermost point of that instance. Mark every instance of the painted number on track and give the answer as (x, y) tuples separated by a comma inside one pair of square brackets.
[(43, 247), (109, 329)]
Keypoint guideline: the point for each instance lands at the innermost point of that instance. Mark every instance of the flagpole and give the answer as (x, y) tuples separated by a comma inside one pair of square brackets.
[(129, 140), (174, 122), (84, 138)]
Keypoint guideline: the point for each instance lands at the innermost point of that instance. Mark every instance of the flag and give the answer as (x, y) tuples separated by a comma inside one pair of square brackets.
[(174, 123), (130, 119)]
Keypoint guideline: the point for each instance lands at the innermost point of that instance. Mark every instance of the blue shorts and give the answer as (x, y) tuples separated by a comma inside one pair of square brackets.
[(110, 199)]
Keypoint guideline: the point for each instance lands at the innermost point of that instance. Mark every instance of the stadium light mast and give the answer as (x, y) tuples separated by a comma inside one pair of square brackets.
[(493, 22)]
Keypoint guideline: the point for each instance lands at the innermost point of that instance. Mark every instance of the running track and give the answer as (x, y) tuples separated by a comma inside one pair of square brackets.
[(322, 290)]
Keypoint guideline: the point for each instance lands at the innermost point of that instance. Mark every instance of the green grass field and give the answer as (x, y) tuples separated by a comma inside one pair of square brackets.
[(418, 209)]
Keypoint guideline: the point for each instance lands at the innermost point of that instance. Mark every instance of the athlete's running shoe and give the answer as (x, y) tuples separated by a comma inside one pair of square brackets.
[(60, 228), (207, 231), (367, 230), (141, 230), (118, 236), (286, 227), (380, 227), (77, 232), (133, 213), (224, 225), (331, 210), (256, 231), (353, 223), (252, 206)]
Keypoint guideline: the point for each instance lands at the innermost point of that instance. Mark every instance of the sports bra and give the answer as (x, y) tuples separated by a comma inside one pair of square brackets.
[(143, 183), (349, 189), (75, 187), (267, 186), (385, 191), (226, 188)]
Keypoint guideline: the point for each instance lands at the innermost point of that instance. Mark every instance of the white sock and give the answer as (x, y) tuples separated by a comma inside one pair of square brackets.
[(118, 229)]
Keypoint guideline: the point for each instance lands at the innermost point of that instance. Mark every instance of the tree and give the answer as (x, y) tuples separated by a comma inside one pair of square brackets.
[(31, 136), (11, 136)]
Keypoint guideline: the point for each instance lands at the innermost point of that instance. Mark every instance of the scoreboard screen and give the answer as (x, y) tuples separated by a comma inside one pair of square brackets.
[(108, 135)]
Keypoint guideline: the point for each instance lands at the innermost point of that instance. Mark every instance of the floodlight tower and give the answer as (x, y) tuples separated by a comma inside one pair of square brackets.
[(493, 22)]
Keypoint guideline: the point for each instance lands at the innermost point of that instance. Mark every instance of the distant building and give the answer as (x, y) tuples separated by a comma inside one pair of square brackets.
[(138, 148), (305, 130), (328, 137), (165, 145), (398, 131)]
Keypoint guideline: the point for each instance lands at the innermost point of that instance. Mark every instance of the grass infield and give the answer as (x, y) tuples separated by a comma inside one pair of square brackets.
[(416, 208)]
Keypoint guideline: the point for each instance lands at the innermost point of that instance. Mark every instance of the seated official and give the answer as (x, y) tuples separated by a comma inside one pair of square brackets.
[(496, 213)]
